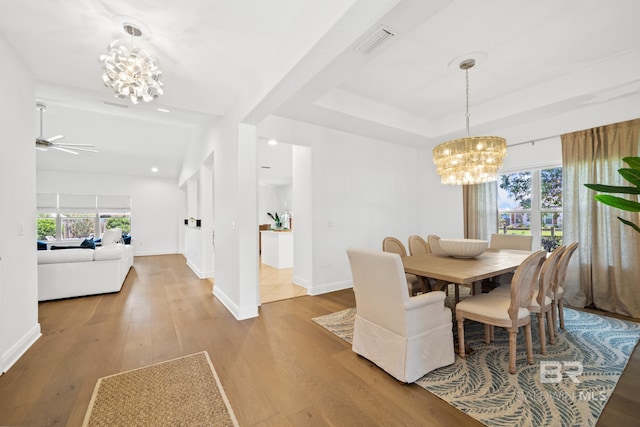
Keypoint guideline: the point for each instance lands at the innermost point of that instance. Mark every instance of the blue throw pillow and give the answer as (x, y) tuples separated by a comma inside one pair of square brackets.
[(88, 243)]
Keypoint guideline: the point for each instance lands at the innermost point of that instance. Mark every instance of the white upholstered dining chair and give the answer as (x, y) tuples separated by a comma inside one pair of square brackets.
[(510, 313), (405, 336), (511, 241), (395, 246)]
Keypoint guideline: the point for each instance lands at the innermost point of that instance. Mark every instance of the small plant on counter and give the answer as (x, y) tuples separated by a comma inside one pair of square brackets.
[(276, 219)]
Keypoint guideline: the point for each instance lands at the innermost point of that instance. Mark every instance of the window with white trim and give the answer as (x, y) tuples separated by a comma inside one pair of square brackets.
[(530, 203), (80, 216)]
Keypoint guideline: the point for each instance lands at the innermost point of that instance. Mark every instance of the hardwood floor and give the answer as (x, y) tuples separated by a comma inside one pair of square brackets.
[(278, 369), (277, 284)]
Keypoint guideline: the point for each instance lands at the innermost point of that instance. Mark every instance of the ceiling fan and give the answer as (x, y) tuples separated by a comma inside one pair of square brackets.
[(43, 144)]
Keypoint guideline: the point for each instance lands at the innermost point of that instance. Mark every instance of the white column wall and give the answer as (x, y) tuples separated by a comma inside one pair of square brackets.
[(157, 211), (205, 196), (248, 221), (302, 217), (19, 327)]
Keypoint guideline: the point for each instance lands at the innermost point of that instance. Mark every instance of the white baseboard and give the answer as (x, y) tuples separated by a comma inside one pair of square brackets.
[(240, 313), (301, 282), (151, 253), (196, 270), (16, 351), (329, 287)]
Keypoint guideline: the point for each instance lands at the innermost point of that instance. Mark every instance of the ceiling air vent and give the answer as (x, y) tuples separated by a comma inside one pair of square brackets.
[(375, 40)]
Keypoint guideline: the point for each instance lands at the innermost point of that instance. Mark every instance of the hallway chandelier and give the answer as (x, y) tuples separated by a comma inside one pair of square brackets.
[(469, 160), (131, 71)]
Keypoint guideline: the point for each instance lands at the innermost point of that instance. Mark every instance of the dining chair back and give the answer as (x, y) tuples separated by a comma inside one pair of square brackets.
[(542, 300), (434, 244), (406, 336), (511, 241), (395, 246), (557, 309), (418, 246), (510, 313)]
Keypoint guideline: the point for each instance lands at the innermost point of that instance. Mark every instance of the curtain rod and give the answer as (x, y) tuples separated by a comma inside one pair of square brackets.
[(533, 141)]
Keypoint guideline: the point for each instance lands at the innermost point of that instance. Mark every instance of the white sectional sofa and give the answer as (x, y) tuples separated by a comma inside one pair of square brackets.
[(78, 272)]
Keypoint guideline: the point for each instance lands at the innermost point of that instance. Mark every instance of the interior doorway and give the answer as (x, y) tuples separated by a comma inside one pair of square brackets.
[(279, 198)]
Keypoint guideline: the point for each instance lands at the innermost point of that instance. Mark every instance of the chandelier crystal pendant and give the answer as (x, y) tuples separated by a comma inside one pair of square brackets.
[(469, 160), (131, 71)]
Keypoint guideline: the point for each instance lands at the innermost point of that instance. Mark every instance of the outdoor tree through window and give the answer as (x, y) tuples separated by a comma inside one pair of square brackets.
[(530, 203)]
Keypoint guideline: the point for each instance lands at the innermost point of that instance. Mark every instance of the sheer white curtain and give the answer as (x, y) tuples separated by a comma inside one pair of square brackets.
[(480, 203), (605, 270)]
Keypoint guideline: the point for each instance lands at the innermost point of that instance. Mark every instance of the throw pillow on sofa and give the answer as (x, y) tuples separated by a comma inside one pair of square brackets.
[(111, 236), (88, 243)]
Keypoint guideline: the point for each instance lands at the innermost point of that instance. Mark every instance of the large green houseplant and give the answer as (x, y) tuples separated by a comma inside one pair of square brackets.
[(631, 174)]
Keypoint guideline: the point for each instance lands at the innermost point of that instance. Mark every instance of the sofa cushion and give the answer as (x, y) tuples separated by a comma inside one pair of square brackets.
[(54, 257), (108, 252)]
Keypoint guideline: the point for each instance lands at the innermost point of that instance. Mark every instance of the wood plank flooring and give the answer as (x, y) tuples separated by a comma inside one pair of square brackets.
[(277, 284), (279, 369)]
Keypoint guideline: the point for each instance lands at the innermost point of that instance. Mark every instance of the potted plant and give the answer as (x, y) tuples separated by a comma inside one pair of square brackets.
[(276, 219), (631, 174)]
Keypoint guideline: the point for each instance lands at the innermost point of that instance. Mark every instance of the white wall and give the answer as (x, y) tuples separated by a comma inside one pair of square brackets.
[(302, 217), (273, 198), (536, 155), (362, 191), (157, 208), (19, 326)]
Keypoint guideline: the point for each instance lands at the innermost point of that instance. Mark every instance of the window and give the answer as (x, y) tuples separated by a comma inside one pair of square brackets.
[(115, 220), (80, 216), (530, 203), (46, 226), (77, 225)]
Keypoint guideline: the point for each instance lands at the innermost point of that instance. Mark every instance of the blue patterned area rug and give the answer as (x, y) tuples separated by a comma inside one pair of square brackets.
[(581, 371)]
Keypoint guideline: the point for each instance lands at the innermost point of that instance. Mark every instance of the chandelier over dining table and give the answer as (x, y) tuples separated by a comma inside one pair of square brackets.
[(131, 71), (469, 160)]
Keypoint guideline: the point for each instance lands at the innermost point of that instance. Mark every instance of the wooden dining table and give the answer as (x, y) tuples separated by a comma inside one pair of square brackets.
[(464, 271)]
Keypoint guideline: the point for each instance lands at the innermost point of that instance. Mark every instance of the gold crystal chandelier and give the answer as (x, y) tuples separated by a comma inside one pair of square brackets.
[(469, 160), (131, 71)]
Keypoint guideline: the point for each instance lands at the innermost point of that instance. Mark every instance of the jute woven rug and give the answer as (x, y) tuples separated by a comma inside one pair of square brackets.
[(183, 391), (595, 349)]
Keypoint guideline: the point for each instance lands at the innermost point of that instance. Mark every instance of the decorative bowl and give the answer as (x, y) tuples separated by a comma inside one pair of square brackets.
[(464, 248)]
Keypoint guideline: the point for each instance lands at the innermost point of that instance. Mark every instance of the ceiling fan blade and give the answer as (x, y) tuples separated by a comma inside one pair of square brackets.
[(73, 145), (76, 148), (55, 147), (55, 138)]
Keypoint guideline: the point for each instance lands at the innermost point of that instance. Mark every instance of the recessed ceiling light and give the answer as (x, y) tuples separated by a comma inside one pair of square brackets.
[(273, 142), (154, 169), (164, 110)]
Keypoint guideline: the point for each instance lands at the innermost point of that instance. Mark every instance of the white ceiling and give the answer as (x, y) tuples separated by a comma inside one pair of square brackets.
[(536, 59)]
